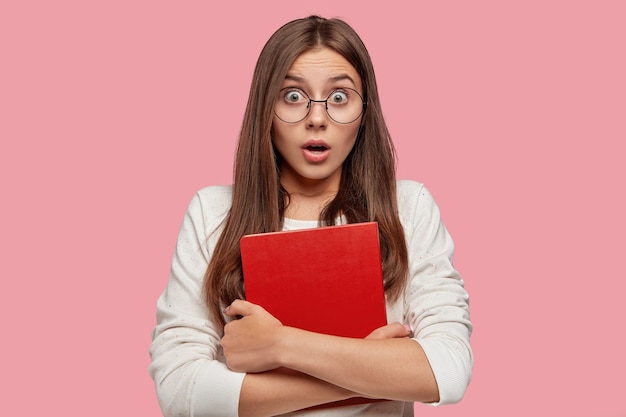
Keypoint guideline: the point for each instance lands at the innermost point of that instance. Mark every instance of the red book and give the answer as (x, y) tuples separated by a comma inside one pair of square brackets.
[(326, 280)]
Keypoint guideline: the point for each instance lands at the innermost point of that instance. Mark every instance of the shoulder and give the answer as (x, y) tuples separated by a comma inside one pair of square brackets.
[(215, 196), (415, 202), (408, 189), (210, 205), (410, 193)]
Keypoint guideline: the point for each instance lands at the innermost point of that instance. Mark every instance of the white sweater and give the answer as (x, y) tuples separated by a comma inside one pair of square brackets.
[(188, 366)]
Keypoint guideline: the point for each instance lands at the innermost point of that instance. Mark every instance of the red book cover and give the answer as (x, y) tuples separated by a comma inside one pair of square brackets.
[(326, 280)]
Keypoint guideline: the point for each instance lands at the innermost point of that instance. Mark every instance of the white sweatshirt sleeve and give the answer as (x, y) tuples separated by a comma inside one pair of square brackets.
[(187, 363), (436, 303), (189, 376)]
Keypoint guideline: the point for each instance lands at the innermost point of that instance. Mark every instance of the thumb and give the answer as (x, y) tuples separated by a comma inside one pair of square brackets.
[(239, 308)]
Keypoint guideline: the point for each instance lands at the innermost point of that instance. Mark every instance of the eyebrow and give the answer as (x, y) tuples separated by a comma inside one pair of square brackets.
[(336, 78)]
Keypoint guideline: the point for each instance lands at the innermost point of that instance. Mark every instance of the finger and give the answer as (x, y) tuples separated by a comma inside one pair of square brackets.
[(408, 330), (397, 329), (239, 308), (390, 331)]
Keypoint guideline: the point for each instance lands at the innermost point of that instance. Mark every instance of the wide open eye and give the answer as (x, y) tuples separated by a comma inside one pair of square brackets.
[(294, 96), (338, 97)]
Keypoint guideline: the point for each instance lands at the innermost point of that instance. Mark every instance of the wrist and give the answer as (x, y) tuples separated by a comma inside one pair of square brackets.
[(285, 338)]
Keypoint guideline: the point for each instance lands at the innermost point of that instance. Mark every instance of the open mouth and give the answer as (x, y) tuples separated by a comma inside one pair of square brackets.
[(316, 148)]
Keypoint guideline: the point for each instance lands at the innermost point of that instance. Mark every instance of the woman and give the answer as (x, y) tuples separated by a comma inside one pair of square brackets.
[(313, 151)]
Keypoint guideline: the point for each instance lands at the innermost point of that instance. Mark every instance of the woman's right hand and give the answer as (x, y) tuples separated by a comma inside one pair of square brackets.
[(250, 342)]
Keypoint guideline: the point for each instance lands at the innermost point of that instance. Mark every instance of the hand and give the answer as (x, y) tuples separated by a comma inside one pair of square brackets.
[(250, 343), (391, 331)]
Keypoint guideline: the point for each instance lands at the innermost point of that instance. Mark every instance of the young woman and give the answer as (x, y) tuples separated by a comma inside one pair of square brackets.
[(313, 151)]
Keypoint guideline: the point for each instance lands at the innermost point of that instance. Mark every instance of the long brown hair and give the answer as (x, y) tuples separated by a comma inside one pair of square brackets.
[(367, 190)]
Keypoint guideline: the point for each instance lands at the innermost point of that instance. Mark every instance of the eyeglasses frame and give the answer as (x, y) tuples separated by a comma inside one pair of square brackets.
[(308, 106)]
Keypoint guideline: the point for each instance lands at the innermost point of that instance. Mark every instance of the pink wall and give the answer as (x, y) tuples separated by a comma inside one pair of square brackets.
[(112, 115)]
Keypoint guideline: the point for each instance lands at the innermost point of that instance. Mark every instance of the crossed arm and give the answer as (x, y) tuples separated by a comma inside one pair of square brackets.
[(290, 369), (302, 369)]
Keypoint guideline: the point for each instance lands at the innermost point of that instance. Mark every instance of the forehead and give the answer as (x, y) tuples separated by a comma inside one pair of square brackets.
[(323, 66)]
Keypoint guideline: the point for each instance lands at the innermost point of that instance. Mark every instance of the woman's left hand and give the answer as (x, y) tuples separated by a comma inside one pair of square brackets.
[(250, 343), (391, 331)]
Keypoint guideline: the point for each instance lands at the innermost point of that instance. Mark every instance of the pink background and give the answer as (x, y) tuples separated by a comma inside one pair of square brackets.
[(113, 113)]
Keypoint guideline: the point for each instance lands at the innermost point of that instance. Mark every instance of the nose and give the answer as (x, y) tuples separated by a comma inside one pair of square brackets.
[(317, 117)]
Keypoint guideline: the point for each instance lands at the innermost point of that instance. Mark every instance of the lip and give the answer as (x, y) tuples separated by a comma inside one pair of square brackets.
[(315, 151)]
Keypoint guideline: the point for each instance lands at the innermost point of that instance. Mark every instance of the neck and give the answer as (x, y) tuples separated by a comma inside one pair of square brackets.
[(308, 197), (308, 206)]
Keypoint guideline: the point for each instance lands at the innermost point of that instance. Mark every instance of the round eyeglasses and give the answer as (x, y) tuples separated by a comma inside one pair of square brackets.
[(343, 105)]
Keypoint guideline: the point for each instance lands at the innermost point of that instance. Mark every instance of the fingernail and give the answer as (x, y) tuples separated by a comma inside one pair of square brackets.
[(225, 309), (408, 328)]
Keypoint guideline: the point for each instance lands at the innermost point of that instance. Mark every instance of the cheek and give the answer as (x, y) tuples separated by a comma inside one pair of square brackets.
[(352, 136), (280, 130), (281, 140)]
